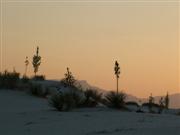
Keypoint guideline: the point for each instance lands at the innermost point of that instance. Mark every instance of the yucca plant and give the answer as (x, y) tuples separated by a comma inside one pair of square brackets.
[(62, 101), (66, 101), (115, 100), (92, 98), (78, 98), (36, 61)]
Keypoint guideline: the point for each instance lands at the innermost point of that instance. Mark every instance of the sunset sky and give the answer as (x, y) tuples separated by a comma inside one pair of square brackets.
[(89, 36)]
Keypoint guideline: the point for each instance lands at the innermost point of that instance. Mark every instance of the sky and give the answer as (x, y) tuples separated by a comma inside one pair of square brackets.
[(88, 37)]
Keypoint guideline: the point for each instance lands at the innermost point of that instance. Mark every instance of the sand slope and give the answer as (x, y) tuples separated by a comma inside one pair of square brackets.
[(22, 114)]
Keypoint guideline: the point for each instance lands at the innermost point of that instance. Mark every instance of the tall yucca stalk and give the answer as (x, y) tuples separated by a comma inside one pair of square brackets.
[(117, 73), (36, 61), (26, 65)]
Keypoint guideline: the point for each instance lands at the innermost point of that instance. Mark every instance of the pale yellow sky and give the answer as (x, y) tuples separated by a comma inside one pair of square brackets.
[(89, 36)]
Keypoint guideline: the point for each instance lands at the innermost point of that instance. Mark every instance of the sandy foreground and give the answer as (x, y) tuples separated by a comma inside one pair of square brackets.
[(22, 114)]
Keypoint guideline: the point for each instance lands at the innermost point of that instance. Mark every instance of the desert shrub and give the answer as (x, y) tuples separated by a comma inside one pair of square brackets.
[(114, 100), (66, 101), (132, 103), (77, 96), (38, 90), (39, 77), (9, 79), (92, 98), (62, 101)]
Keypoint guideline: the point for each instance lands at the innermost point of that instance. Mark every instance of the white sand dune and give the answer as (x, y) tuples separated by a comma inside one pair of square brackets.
[(22, 114)]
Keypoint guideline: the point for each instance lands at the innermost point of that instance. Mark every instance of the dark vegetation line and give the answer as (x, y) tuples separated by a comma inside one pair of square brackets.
[(68, 94)]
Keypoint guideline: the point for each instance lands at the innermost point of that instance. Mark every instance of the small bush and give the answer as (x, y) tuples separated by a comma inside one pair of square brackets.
[(38, 90), (115, 100), (66, 101), (9, 79), (77, 96), (62, 102), (39, 78), (92, 98)]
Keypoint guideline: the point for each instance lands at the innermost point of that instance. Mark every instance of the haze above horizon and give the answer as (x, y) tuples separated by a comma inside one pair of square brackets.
[(88, 37)]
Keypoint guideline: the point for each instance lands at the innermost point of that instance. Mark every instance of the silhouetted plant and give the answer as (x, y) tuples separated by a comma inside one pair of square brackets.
[(57, 101), (92, 98), (78, 97), (69, 79), (62, 101), (117, 73), (166, 101), (9, 79), (26, 66), (66, 101), (115, 100), (36, 61)]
